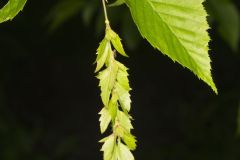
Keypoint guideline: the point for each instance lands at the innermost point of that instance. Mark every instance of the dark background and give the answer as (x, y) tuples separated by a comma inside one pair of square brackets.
[(49, 96)]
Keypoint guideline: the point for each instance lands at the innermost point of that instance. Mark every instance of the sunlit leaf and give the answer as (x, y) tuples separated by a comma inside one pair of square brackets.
[(11, 9), (178, 29)]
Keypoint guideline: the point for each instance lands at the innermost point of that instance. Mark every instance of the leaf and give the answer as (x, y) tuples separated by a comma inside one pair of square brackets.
[(104, 139), (122, 87), (228, 28), (105, 119), (124, 152), (11, 9), (113, 106), (122, 77), (124, 96), (130, 141), (109, 148), (107, 79), (103, 52), (116, 41), (124, 121), (178, 29), (117, 3), (115, 153)]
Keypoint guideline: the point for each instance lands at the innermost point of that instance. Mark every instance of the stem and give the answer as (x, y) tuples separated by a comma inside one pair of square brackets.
[(105, 12)]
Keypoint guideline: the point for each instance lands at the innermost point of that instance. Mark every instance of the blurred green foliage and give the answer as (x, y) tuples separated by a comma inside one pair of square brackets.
[(226, 15)]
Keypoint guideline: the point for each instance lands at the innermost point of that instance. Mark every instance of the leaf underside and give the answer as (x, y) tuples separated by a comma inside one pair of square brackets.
[(177, 28)]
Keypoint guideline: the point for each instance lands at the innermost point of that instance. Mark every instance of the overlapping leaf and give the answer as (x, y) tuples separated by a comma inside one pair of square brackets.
[(178, 28)]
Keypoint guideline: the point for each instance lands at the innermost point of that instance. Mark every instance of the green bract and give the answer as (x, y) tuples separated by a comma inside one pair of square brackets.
[(105, 119), (115, 96)]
